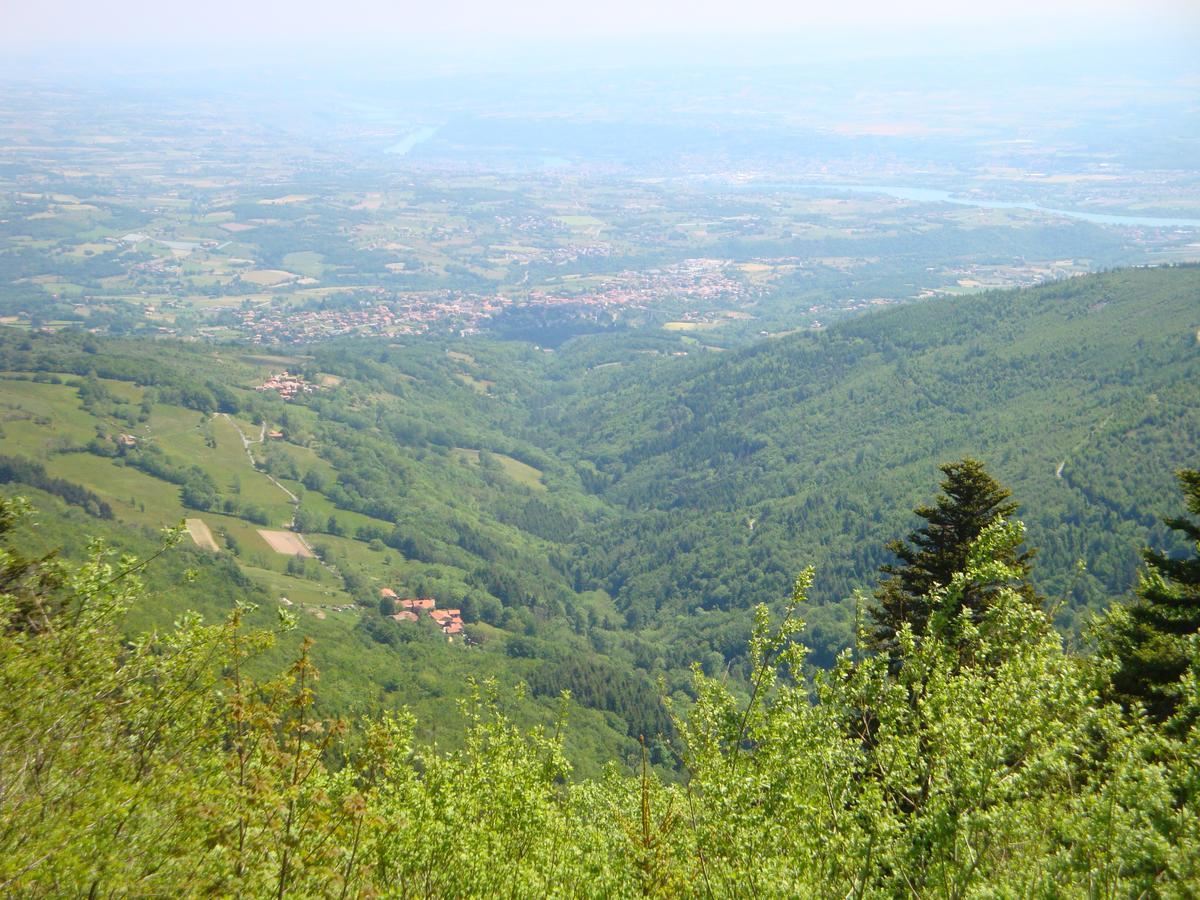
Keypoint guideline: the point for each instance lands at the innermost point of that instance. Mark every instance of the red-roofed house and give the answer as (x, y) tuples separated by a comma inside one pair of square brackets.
[(405, 616), (387, 594)]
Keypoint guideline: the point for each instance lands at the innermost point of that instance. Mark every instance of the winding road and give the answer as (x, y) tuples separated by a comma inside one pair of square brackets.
[(292, 498)]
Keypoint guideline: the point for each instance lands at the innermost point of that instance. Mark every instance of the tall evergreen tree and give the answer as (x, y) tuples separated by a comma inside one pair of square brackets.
[(971, 500), (1149, 634)]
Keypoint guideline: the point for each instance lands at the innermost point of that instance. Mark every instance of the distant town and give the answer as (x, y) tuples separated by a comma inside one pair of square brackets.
[(161, 229)]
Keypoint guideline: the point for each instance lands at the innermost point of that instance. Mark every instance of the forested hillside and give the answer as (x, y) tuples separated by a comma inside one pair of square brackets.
[(607, 514), (731, 474)]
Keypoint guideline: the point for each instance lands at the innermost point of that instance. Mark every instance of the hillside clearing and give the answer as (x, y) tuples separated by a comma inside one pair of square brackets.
[(286, 542), (520, 472), (201, 534)]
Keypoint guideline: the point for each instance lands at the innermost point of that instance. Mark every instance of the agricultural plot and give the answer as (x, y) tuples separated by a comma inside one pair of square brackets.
[(267, 277), (134, 495), (201, 534), (286, 542), (37, 415), (305, 262), (285, 200), (298, 590), (521, 473), (480, 386)]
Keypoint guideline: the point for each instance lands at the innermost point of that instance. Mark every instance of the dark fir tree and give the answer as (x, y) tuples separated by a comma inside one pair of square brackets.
[(971, 500), (1150, 637)]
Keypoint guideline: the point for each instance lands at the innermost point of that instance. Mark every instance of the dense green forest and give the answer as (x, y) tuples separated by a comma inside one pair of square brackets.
[(973, 758), (610, 513), (731, 474)]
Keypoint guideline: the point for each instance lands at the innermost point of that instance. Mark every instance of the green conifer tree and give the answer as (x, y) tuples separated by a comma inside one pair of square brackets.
[(1149, 635), (971, 500)]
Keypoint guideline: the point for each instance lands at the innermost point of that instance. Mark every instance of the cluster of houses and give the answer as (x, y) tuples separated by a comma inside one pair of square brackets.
[(704, 280), (410, 609), (287, 385), (384, 314)]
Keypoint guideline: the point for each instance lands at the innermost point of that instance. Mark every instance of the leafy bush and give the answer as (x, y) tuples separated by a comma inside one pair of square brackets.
[(987, 764)]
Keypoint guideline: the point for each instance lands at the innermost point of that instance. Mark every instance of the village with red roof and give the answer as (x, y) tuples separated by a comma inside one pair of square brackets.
[(287, 385), (410, 608)]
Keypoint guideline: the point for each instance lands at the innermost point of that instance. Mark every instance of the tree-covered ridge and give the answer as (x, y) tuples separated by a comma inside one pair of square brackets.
[(612, 507), (731, 472), (987, 763)]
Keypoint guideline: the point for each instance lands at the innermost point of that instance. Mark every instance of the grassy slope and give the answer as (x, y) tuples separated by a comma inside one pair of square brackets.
[(49, 422)]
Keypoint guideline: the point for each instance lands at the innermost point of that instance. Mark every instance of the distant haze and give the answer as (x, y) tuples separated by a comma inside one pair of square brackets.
[(493, 29)]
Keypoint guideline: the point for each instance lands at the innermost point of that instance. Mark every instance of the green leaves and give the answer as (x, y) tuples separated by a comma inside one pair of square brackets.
[(986, 764), (980, 764), (1150, 636)]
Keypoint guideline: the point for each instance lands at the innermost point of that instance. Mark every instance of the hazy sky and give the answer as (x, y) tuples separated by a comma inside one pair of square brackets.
[(45, 23)]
